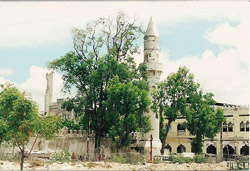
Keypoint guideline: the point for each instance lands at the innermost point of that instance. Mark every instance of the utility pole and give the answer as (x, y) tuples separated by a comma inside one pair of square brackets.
[(90, 110), (151, 152), (221, 145)]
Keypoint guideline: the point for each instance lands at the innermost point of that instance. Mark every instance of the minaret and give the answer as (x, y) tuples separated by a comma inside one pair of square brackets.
[(154, 70), (48, 93)]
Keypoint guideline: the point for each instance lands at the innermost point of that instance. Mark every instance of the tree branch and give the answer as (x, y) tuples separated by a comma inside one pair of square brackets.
[(33, 145)]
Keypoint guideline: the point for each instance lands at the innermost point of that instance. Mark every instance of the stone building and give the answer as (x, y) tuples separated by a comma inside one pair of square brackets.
[(235, 133), (234, 137)]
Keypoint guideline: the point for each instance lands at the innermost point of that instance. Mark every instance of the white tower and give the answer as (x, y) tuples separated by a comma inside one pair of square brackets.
[(154, 70), (48, 93)]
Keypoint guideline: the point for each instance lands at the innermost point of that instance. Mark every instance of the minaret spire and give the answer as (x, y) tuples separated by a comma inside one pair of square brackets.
[(152, 30)]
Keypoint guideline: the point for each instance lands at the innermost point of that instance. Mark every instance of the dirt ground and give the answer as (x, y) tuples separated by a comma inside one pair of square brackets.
[(48, 165)]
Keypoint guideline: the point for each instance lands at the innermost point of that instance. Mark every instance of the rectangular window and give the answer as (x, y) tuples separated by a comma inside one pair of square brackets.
[(224, 129), (230, 129)]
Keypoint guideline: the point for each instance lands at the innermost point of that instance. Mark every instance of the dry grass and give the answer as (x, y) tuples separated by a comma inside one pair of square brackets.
[(35, 163)]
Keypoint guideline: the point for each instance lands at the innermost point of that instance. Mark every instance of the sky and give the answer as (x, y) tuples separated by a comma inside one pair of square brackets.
[(210, 38)]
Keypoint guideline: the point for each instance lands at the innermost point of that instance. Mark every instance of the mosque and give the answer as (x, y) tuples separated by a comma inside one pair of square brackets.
[(233, 140)]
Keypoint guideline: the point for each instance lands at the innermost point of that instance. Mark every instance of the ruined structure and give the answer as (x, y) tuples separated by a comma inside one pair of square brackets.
[(48, 93)]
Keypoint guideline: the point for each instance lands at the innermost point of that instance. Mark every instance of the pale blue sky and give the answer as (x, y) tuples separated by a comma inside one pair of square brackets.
[(181, 39), (212, 39)]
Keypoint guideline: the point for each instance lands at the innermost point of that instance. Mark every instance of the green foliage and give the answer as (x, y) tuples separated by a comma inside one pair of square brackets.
[(119, 159), (20, 120), (62, 156), (3, 129), (179, 95), (170, 99), (126, 104), (70, 124), (200, 159), (202, 119), (180, 159), (102, 51)]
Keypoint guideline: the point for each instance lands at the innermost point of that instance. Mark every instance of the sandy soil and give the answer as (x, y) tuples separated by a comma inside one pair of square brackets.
[(29, 165)]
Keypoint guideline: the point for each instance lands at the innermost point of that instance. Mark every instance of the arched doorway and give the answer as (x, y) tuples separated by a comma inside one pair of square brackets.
[(228, 151), (244, 150), (181, 149), (211, 149)]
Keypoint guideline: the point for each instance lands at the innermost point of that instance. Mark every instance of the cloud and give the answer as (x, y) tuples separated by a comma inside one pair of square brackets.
[(220, 74), (31, 24), (237, 37), (6, 71)]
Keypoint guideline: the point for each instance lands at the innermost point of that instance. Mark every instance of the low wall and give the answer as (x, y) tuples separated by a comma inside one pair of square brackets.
[(67, 140)]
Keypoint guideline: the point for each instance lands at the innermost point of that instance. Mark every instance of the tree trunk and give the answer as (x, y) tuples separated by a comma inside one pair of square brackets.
[(22, 160), (97, 142), (165, 137)]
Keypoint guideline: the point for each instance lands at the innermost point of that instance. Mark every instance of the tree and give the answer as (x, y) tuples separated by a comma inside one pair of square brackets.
[(103, 50), (170, 99), (126, 104), (202, 119), (21, 121)]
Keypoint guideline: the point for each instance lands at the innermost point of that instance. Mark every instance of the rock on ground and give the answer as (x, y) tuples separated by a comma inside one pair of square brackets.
[(6, 165)]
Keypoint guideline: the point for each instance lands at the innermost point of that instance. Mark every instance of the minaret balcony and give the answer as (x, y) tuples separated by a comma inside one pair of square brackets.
[(152, 66)]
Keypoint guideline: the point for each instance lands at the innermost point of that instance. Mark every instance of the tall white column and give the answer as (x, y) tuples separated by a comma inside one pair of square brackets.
[(48, 93), (154, 70)]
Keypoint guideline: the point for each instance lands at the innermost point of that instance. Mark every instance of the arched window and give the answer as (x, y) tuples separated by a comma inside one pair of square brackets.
[(181, 149), (247, 126), (224, 127), (180, 128), (211, 149), (242, 126), (169, 148), (230, 127)]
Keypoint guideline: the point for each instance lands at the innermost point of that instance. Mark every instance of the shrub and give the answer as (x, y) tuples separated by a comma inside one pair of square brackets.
[(199, 159), (179, 159), (119, 159), (63, 156)]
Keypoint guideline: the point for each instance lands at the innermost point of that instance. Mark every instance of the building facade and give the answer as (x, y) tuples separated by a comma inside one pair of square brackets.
[(234, 138)]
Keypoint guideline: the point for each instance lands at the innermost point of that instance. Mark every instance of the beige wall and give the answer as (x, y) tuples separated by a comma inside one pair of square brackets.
[(236, 139)]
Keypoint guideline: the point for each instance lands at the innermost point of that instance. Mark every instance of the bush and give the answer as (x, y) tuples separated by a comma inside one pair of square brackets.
[(119, 159), (180, 159), (199, 159), (63, 156)]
